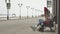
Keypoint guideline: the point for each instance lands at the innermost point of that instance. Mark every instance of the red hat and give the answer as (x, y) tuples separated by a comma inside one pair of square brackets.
[(45, 9)]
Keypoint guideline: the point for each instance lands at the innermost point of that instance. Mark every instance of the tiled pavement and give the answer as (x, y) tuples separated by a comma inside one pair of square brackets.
[(22, 26)]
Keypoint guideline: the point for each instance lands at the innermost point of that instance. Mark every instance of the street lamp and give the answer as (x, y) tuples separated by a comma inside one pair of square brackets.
[(8, 7), (36, 12), (32, 12), (20, 9), (27, 10)]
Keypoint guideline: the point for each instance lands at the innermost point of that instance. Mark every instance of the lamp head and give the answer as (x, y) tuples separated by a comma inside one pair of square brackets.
[(7, 1)]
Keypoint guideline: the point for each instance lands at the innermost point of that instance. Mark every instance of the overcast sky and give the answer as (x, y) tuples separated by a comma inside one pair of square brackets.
[(36, 4)]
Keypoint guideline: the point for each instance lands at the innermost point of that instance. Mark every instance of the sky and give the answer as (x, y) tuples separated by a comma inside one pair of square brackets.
[(38, 6)]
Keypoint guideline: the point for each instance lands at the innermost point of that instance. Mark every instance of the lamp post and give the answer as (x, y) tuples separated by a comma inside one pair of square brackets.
[(39, 12), (27, 10), (36, 12), (32, 12), (8, 7), (20, 9)]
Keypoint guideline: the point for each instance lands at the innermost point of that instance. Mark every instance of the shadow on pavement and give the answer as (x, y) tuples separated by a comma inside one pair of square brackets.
[(33, 28)]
